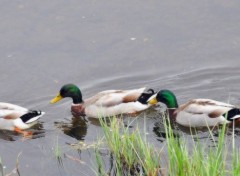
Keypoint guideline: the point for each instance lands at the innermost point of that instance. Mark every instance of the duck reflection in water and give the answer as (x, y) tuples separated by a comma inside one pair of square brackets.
[(36, 131), (160, 129), (76, 128)]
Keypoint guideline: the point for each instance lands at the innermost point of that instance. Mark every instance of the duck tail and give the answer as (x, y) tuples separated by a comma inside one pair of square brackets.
[(145, 96), (232, 114), (31, 116)]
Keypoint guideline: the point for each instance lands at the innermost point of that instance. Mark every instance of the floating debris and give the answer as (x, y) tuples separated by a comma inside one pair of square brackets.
[(83, 146)]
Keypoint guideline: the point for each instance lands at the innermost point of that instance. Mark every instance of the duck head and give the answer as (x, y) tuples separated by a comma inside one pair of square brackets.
[(71, 91), (164, 96)]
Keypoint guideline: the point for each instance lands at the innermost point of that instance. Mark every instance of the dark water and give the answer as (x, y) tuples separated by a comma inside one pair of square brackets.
[(192, 48)]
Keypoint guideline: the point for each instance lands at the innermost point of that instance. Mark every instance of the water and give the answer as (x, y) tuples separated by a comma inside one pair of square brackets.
[(191, 48)]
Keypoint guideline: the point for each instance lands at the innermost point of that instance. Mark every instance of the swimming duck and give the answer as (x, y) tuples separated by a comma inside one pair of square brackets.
[(196, 112), (17, 118), (105, 103)]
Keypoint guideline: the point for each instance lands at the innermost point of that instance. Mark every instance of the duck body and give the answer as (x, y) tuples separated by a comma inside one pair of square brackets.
[(107, 103), (114, 102), (197, 112), (204, 112), (15, 118)]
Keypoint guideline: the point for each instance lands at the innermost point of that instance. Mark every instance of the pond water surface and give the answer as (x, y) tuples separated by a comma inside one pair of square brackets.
[(189, 47)]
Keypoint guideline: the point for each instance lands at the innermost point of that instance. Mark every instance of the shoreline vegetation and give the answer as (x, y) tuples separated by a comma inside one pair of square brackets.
[(132, 154)]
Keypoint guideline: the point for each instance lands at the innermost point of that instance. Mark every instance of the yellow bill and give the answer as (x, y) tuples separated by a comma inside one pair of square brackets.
[(56, 99), (153, 101)]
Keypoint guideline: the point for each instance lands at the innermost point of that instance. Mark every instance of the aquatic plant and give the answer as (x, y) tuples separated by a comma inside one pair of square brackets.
[(200, 159), (1, 167), (58, 152), (133, 155)]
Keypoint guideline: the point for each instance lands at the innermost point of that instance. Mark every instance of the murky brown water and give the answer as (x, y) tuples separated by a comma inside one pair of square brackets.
[(192, 48)]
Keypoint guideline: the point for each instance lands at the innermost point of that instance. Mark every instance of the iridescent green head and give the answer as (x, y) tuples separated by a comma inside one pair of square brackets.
[(165, 96), (69, 90)]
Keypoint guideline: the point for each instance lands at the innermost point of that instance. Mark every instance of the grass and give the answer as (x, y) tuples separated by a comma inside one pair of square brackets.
[(58, 153), (203, 160), (133, 155)]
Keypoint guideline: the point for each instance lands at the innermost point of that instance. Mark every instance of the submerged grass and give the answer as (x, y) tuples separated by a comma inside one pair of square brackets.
[(1, 167), (133, 155)]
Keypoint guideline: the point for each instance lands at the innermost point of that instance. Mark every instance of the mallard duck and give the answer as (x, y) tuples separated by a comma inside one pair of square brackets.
[(196, 112), (106, 103), (17, 118)]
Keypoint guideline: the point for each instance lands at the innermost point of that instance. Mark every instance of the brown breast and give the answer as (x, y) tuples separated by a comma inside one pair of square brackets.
[(78, 110)]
